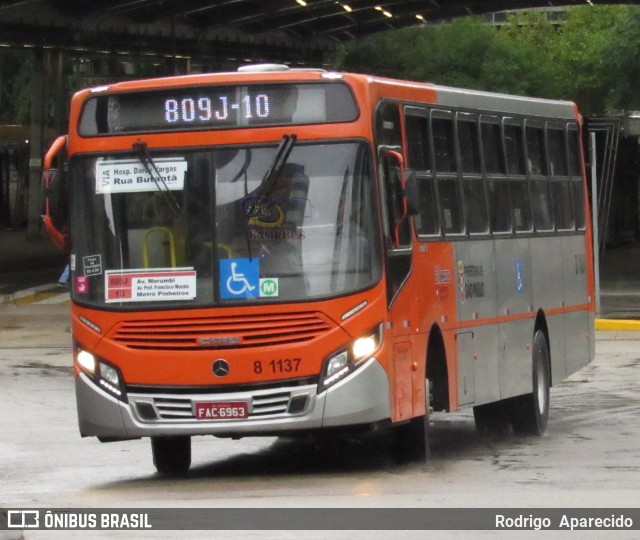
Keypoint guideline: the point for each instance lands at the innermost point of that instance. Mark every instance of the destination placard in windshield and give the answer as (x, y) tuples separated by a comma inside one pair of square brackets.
[(130, 176)]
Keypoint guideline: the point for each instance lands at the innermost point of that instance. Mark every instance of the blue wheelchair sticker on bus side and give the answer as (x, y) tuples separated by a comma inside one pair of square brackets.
[(519, 276), (239, 278)]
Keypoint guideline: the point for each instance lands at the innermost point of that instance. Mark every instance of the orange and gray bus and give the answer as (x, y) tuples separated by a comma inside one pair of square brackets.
[(279, 251)]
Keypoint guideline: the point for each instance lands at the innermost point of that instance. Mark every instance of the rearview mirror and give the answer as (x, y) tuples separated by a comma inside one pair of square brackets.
[(51, 206)]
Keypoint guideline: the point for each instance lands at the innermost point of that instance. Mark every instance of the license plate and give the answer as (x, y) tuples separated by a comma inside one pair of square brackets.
[(221, 410)]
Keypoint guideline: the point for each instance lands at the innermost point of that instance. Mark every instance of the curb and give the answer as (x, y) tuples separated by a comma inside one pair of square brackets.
[(49, 293), (617, 324)]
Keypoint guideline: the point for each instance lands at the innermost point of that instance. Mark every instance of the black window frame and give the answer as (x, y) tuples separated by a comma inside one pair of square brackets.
[(509, 184), (496, 175), (518, 179), (457, 228), (538, 174), (424, 171), (576, 174), (559, 181), (471, 179)]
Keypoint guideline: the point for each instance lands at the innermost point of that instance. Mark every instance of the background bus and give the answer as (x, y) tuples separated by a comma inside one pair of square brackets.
[(279, 251)]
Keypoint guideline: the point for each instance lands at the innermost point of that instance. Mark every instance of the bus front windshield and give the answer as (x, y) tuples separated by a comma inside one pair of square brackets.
[(223, 225)]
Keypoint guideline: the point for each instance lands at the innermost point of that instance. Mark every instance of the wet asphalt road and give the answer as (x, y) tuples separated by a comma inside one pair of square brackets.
[(589, 457)]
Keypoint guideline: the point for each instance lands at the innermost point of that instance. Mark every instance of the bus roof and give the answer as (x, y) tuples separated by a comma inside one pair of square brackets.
[(460, 98), (377, 88)]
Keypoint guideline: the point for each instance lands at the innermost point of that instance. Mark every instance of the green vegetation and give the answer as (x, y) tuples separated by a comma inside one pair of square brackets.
[(592, 56), (15, 89)]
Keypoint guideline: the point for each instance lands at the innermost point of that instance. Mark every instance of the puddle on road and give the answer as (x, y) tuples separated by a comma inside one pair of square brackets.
[(44, 368)]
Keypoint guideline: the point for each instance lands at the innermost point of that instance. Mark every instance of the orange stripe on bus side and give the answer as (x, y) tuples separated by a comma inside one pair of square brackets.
[(520, 316)]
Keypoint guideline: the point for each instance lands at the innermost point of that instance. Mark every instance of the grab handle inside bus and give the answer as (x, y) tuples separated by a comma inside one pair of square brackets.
[(170, 240), (408, 191), (52, 194)]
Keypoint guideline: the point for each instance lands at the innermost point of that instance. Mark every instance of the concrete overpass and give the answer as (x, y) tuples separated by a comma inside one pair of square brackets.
[(190, 35), (184, 36), (217, 31)]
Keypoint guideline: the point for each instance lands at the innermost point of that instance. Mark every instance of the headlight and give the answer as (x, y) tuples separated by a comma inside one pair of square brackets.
[(365, 346), (337, 363), (110, 379), (342, 362), (86, 361), (102, 373)]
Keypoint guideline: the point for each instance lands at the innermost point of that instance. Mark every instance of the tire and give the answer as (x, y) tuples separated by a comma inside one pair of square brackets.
[(411, 440), (493, 419), (530, 412), (171, 455)]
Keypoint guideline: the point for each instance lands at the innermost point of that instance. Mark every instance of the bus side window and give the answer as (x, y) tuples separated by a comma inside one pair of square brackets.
[(537, 165), (562, 207), (514, 148), (560, 187), (443, 145), (469, 146), (419, 154), (476, 208), (518, 189), (445, 167), (520, 200), (418, 143), (539, 183), (472, 182), (575, 170), (557, 152), (499, 205), (450, 205), (542, 217), (575, 167), (492, 150), (497, 184)]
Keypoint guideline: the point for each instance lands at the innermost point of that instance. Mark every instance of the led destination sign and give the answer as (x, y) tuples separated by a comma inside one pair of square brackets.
[(216, 107)]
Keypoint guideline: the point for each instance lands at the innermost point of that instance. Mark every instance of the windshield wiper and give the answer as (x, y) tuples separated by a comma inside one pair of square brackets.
[(282, 154), (142, 151)]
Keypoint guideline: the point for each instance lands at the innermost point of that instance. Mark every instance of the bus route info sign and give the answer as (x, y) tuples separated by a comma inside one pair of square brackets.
[(131, 176), (150, 285)]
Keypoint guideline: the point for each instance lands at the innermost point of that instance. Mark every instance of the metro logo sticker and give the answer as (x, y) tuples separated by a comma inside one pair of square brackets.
[(269, 287), (150, 285), (130, 175)]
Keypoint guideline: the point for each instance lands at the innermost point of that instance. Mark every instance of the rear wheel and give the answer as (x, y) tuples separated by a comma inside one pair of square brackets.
[(530, 412), (171, 455)]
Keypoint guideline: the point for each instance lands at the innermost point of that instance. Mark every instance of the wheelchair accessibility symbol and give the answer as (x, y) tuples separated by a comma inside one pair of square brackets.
[(519, 278), (239, 278)]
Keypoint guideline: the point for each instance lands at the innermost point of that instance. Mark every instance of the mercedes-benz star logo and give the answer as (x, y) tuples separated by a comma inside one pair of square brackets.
[(220, 368)]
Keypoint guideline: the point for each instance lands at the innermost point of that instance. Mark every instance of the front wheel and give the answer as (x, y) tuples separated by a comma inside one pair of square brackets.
[(171, 455), (531, 411), (411, 440)]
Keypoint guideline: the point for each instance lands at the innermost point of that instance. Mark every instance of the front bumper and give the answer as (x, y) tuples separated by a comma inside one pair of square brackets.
[(360, 398)]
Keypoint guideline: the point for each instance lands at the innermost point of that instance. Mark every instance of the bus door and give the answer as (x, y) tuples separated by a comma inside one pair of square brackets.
[(397, 222), (402, 298), (397, 229), (396, 184)]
